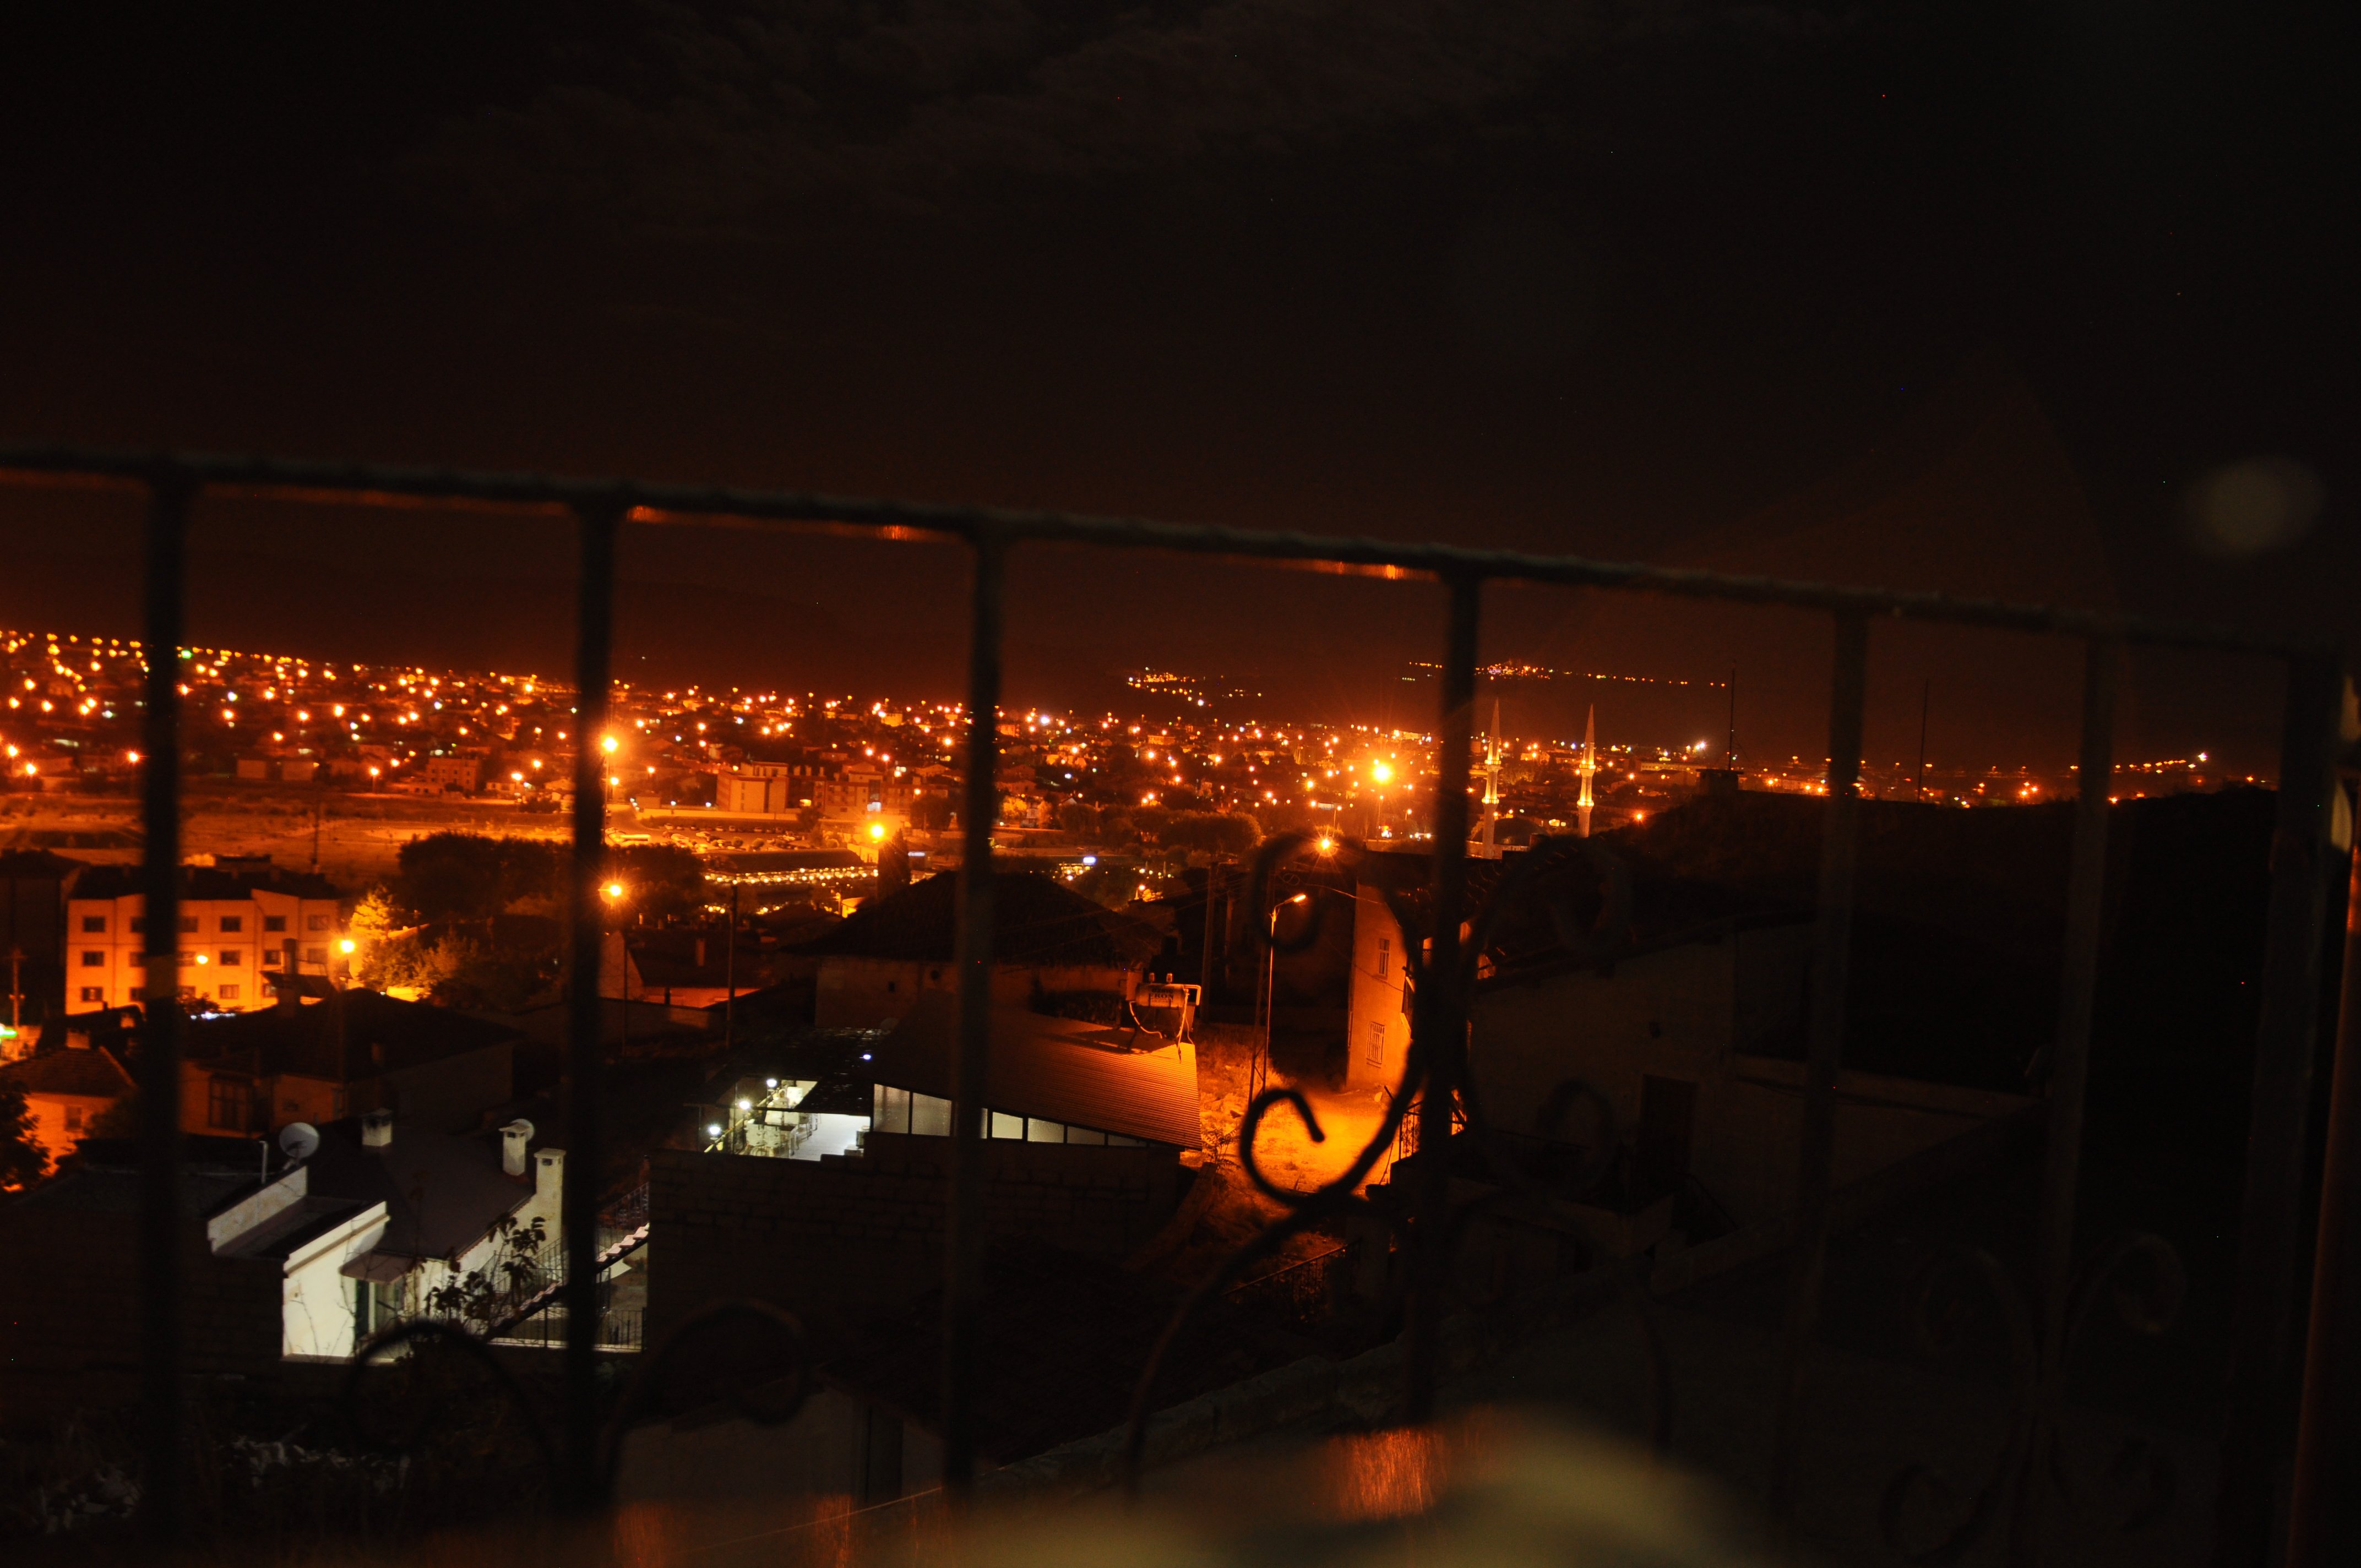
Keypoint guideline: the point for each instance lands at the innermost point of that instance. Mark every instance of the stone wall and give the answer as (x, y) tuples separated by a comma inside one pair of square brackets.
[(827, 1235)]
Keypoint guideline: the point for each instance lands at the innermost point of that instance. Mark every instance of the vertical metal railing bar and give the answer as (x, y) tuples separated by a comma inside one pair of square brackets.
[(2324, 1505), (2069, 1068), (963, 1216), (1832, 964), (161, 1286), (2257, 1415), (1439, 1017), (596, 523)]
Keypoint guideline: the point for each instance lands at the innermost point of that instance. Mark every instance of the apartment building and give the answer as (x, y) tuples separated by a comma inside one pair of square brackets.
[(235, 925)]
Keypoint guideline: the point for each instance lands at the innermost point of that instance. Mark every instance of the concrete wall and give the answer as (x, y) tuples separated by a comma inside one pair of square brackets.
[(69, 1304), (1750, 1128), (316, 1299), (60, 1121), (832, 1235), (1377, 1019), (856, 992), (735, 1479), (1689, 1014)]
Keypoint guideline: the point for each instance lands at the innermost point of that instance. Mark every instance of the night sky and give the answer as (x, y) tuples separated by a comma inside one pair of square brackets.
[(2048, 301)]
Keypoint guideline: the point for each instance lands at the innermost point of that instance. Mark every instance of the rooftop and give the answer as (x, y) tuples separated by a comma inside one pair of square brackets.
[(1034, 920), (201, 883), (1130, 1082), (93, 1072), (441, 1193), (351, 1035)]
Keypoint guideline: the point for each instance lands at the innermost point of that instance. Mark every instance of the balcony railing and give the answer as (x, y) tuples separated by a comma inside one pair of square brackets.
[(2268, 1331)]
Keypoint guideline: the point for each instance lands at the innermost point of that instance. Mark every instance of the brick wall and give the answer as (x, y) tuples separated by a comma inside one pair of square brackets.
[(69, 1312), (823, 1236)]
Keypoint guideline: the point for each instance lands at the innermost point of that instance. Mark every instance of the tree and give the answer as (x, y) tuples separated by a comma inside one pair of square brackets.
[(481, 1298), (665, 880), (451, 876), (22, 1159), (466, 876)]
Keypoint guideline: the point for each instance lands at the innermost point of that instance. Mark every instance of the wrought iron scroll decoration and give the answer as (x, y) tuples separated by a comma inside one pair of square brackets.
[(1522, 883), (2031, 1456)]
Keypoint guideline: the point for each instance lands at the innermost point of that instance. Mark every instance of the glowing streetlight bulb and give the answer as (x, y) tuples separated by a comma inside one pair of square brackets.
[(610, 743), (348, 945), (1381, 773), (614, 890)]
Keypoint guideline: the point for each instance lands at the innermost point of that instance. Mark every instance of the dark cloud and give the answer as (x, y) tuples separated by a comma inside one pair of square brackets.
[(731, 111)]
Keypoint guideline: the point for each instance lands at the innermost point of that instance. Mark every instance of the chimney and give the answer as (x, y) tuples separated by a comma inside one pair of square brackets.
[(549, 1180), (289, 997), (513, 1138), (377, 1130)]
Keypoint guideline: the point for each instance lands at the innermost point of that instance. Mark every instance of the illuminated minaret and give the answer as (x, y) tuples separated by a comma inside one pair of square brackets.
[(1588, 768), (1489, 850)]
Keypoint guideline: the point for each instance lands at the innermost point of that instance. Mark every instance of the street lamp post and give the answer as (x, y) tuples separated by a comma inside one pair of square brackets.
[(615, 893), (1260, 1079)]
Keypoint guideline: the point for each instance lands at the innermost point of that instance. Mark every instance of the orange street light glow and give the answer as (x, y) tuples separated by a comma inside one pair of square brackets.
[(614, 890)]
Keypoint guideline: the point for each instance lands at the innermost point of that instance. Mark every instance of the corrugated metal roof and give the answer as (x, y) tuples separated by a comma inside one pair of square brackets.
[(1061, 1069)]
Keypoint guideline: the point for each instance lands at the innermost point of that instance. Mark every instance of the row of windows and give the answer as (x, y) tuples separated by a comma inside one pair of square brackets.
[(228, 957), (903, 1110), (95, 925), (97, 993)]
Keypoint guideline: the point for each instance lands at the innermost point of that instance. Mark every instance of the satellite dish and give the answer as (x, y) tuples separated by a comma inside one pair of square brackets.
[(299, 1140)]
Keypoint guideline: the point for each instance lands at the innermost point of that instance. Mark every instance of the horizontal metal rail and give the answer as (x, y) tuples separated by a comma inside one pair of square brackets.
[(656, 502)]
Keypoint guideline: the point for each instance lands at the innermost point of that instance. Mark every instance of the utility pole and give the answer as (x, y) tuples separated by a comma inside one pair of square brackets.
[(1206, 971), (318, 806), (1925, 696), (16, 988), (730, 977), (1729, 748)]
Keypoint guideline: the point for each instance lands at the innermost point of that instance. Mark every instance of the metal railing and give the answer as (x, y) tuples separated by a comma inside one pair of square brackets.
[(2259, 1428)]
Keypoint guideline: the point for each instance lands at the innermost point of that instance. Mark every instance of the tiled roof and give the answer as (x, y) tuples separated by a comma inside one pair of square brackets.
[(1061, 1069), (352, 1034), (92, 1072)]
